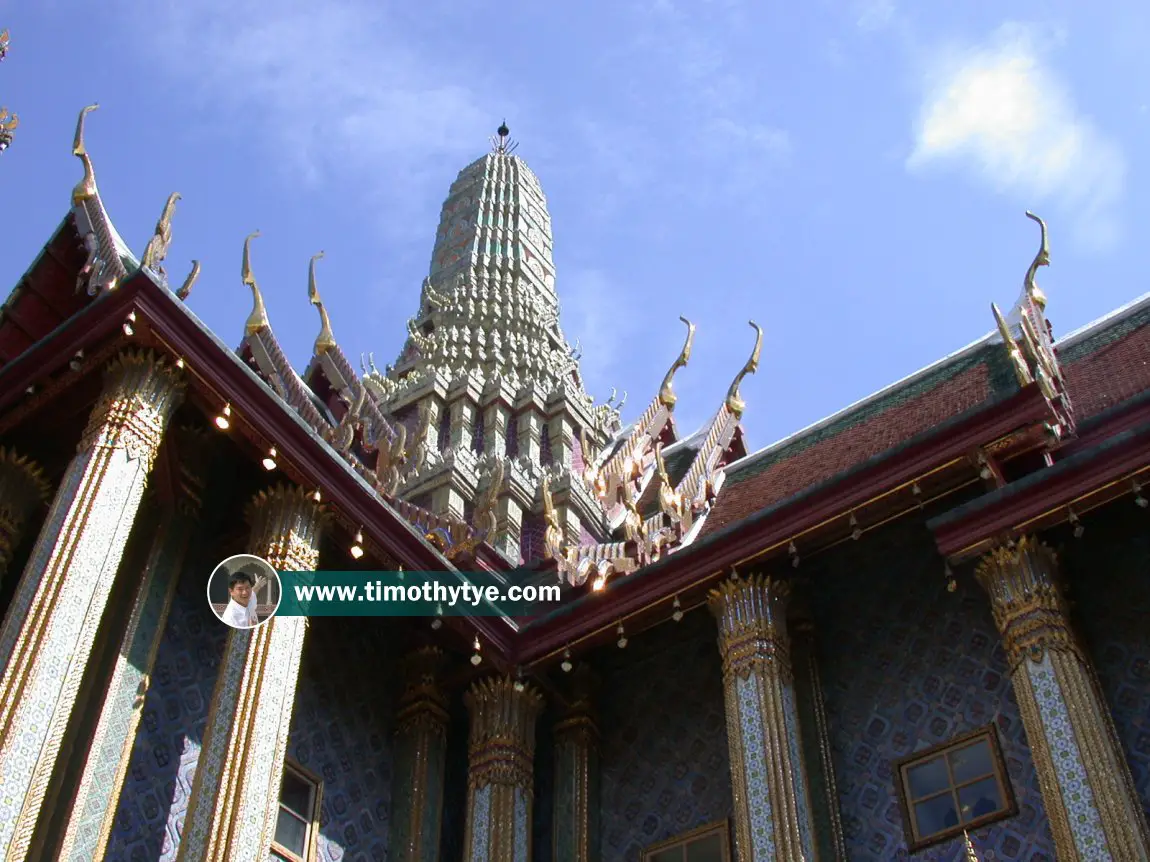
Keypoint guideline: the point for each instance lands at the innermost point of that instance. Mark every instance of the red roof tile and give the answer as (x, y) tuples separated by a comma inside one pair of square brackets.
[(1110, 372), (851, 446)]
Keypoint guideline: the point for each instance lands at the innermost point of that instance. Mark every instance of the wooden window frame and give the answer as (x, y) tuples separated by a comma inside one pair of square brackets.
[(722, 828), (989, 733), (312, 838)]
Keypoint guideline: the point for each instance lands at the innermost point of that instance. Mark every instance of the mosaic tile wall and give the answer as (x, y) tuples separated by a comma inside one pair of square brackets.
[(342, 731), (454, 829), (1106, 570), (906, 665), (665, 764), (543, 806), (159, 781)]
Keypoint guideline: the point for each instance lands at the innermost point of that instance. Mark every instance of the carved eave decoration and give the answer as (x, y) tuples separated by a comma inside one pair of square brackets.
[(624, 477), (1027, 337), (105, 267)]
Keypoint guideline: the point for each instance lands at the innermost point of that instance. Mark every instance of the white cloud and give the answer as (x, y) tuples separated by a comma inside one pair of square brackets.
[(998, 110), (875, 14), (591, 311), (342, 93)]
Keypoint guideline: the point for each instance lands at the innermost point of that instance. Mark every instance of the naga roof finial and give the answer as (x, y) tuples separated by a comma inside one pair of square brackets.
[(735, 402), (1041, 259), (1021, 369), (157, 248), (666, 393), (189, 282), (326, 338), (86, 188), (258, 319)]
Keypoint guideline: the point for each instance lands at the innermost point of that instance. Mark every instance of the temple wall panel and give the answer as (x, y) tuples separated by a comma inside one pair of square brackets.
[(342, 730), (907, 665), (665, 765), (1108, 586), (158, 785)]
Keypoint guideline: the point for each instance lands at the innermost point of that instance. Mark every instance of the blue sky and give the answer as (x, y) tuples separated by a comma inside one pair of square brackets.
[(850, 175)]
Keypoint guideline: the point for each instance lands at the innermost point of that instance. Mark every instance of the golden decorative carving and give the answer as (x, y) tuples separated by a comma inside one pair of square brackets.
[(1023, 582), (389, 461), (553, 534), (157, 248), (501, 753), (286, 524), (485, 519), (735, 401), (258, 320), (422, 729), (326, 338), (666, 394), (23, 489), (141, 391), (342, 436), (1017, 361), (761, 715), (1025, 600), (751, 613), (189, 282), (1041, 259), (86, 188), (502, 741)]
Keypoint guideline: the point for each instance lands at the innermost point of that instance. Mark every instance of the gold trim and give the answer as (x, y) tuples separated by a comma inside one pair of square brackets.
[(1023, 582)]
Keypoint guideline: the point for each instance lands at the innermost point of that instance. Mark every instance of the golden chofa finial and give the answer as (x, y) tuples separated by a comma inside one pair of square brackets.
[(1021, 369), (86, 188), (157, 248), (666, 394), (1041, 259), (258, 319), (326, 338), (735, 401), (189, 282)]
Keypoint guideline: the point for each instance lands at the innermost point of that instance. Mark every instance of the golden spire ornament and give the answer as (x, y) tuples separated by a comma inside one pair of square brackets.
[(8, 121), (971, 856)]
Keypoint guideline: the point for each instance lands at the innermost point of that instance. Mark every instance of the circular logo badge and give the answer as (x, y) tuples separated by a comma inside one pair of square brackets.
[(244, 591)]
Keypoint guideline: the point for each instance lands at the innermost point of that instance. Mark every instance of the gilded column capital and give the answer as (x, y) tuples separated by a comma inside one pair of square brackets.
[(286, 524), (23, 489), (1022, 579), (502, 745), (141, 392), (751, 613), (423, 704), (578, 719)]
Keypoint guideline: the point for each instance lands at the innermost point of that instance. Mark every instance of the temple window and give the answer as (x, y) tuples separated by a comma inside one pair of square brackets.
[(297, 825), (709, 843), (961, 784)]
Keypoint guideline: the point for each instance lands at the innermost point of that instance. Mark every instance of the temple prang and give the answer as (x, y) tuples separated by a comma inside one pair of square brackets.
[(916, 627)]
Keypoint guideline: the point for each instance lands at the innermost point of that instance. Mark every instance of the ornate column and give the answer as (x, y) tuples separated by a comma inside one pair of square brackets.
[(420, 760), (768, 780), (575, 819), (93, 812), (23, 489), (1086, 785), (47, 635), (500, 780), (235, 795), (812, 710)]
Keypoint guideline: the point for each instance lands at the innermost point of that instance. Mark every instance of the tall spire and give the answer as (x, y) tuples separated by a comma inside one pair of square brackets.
[(489, 304)]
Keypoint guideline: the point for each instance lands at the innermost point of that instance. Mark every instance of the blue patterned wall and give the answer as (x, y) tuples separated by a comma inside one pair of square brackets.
[(342, 730), (159, 780), (665, 763), (906, 665), (1106, 570)]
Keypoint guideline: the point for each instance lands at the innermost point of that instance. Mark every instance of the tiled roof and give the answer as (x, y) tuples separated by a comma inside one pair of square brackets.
[(1107, 363), (1104, 363)]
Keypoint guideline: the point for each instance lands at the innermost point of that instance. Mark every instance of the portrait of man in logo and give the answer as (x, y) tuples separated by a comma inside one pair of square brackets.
[(244, 591)]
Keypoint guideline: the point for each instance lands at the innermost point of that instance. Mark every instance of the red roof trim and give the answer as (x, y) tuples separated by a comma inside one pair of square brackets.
[(1086, 471), (710, 558)]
